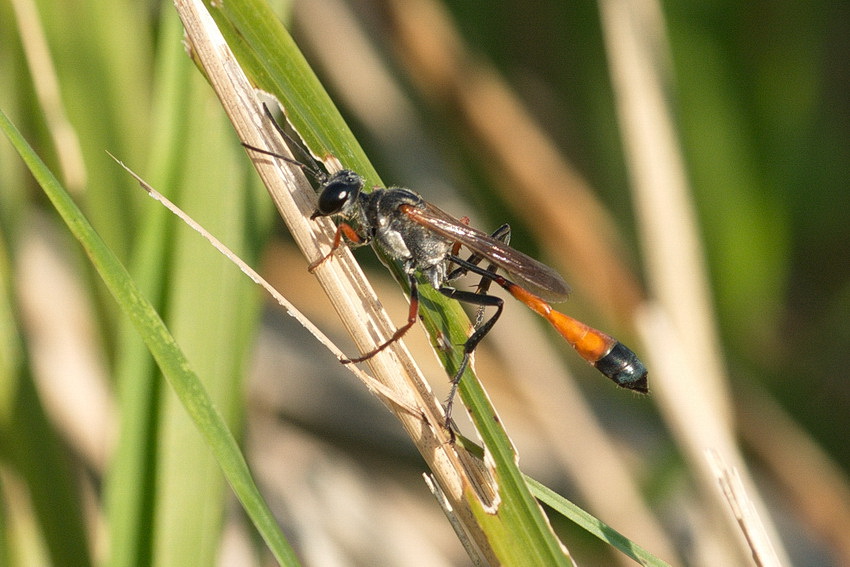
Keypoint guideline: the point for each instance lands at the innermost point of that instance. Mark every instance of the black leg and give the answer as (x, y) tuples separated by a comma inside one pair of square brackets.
[(503, 234), (482, 300)]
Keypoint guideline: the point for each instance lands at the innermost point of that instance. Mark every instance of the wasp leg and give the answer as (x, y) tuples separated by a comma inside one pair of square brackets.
[(343, 229), (412, 315), (481, 300), (503, 233)]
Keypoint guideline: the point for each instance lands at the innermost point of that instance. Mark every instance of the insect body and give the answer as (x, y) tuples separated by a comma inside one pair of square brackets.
[(426, 240), (378, 214), (423, 236)]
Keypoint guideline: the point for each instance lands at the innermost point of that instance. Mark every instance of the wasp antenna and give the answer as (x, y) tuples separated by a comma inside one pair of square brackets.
[(313, 167), (317, 175)]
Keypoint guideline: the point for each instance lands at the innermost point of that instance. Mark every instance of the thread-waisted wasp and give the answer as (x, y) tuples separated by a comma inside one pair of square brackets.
[(427, 241)]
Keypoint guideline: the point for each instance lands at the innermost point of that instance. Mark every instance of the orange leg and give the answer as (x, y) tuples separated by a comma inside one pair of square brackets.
[(342, 229)]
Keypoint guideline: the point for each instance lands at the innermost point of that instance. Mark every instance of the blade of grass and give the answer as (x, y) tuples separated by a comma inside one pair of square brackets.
[(162, 345), (32, 448), (698, 410), (592, 525), (211, 310), (130, 512), (519, 533)]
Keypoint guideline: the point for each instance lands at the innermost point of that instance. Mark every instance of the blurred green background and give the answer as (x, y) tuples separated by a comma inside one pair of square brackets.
[(760, 92)]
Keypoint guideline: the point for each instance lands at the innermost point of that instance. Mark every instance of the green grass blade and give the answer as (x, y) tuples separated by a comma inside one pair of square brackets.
[(593, 525), (32, 448), (130, 512), (167, 353), (520, 533)]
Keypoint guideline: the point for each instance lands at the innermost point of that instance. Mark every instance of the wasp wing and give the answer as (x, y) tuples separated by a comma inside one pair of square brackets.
[(535, 276)]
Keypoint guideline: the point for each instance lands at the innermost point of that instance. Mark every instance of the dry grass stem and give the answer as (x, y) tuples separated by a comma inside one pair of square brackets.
[(743, 510), (680, 330), (341, 278), (377, 388)]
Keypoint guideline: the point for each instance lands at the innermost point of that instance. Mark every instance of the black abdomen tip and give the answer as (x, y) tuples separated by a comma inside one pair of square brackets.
[(624, 367)]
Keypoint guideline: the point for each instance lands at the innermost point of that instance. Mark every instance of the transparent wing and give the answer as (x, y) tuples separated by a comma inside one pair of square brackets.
[(534, 276)]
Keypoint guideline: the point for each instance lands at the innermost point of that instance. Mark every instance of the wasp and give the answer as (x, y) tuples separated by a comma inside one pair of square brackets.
[(427, 241)]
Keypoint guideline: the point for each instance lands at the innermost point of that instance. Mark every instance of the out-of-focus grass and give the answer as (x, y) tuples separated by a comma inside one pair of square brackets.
[(126, 85), (762, 105)]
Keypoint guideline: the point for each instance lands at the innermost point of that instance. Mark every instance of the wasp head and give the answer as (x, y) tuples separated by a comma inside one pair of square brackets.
[(339, 193)]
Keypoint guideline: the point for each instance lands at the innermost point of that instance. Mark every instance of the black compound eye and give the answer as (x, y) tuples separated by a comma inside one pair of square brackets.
[(342, 188)]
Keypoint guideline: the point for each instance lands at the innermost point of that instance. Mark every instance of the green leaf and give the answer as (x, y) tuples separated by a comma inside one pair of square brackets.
[(592, 525), (165, 350)]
